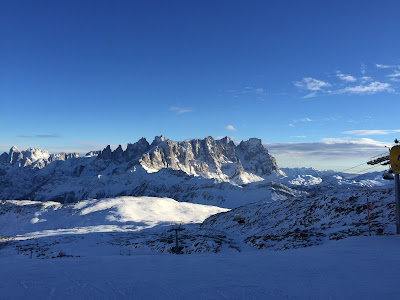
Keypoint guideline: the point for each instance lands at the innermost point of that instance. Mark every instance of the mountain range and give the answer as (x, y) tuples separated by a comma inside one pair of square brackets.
[(203, 171)]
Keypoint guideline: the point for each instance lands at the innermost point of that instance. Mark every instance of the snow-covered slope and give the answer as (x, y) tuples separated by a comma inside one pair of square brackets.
[(24, 219), (310, 219)]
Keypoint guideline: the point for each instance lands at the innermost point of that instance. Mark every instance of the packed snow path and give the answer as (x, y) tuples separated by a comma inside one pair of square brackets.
[(354, 268)]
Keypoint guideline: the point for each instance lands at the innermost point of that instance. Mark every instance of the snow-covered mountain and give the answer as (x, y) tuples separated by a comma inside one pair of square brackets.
[(307, 171), (308, 177), (33, 157), (202, 171)]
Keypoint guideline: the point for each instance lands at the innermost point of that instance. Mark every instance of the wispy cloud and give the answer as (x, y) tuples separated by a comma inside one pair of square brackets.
[(248, 90), (298, 136), (382, 66), (230, 128), (328, 148), (394, 75), (291, 125), (310, 95), (344, 77), (363, 69), (40, 136), (372, 88), (180, 110), (371, 132), (311, 84), (47, 136), (366, 79), (302, 120), (259, 91)]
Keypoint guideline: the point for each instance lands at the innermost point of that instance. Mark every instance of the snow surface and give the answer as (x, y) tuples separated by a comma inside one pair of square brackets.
[(33, 219), (354, 268)]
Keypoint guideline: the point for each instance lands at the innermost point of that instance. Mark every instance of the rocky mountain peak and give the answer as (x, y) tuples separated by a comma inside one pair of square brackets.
[(105, 153), (210, 158), (157, 140), (33, 157), (15, 155), (4, 157), (118, 154)]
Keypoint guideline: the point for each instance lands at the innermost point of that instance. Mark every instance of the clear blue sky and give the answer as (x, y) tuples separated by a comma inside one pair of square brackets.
[(77, 75)]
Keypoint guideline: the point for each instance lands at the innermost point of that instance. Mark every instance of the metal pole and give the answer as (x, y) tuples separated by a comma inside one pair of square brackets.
[(369, 224), (176, 242), (397, 192)]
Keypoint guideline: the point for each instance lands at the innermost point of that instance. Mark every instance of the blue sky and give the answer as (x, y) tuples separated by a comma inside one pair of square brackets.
[(315, 80)]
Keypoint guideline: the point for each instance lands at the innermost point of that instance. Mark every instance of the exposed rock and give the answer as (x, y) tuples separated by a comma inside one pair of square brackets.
[(106, 153)]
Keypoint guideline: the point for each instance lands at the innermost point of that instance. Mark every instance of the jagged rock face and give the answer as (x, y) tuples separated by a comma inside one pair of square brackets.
[(255, 158), (209, 158), (134, 151)]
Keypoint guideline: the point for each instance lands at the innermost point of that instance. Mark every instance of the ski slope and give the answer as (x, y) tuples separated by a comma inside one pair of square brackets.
[(354, 268)]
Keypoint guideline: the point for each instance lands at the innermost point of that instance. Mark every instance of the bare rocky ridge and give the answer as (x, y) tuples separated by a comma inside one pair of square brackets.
[(209, 158), (200, 171)]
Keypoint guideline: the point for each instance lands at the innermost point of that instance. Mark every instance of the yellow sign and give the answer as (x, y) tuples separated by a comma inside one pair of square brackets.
[(394, 158)]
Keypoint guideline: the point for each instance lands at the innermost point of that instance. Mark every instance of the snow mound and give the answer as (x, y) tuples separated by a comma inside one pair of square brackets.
[(149, 209), (32, 219)]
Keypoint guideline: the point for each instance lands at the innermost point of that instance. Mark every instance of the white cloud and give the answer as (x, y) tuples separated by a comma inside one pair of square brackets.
[(180, 110), (311, 84), (291, 125), (381, 66), (395, 74), (298, 136), (366, 79), (310, 95), (345, 77), (371, 132), (230, 128), (372, 88)]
